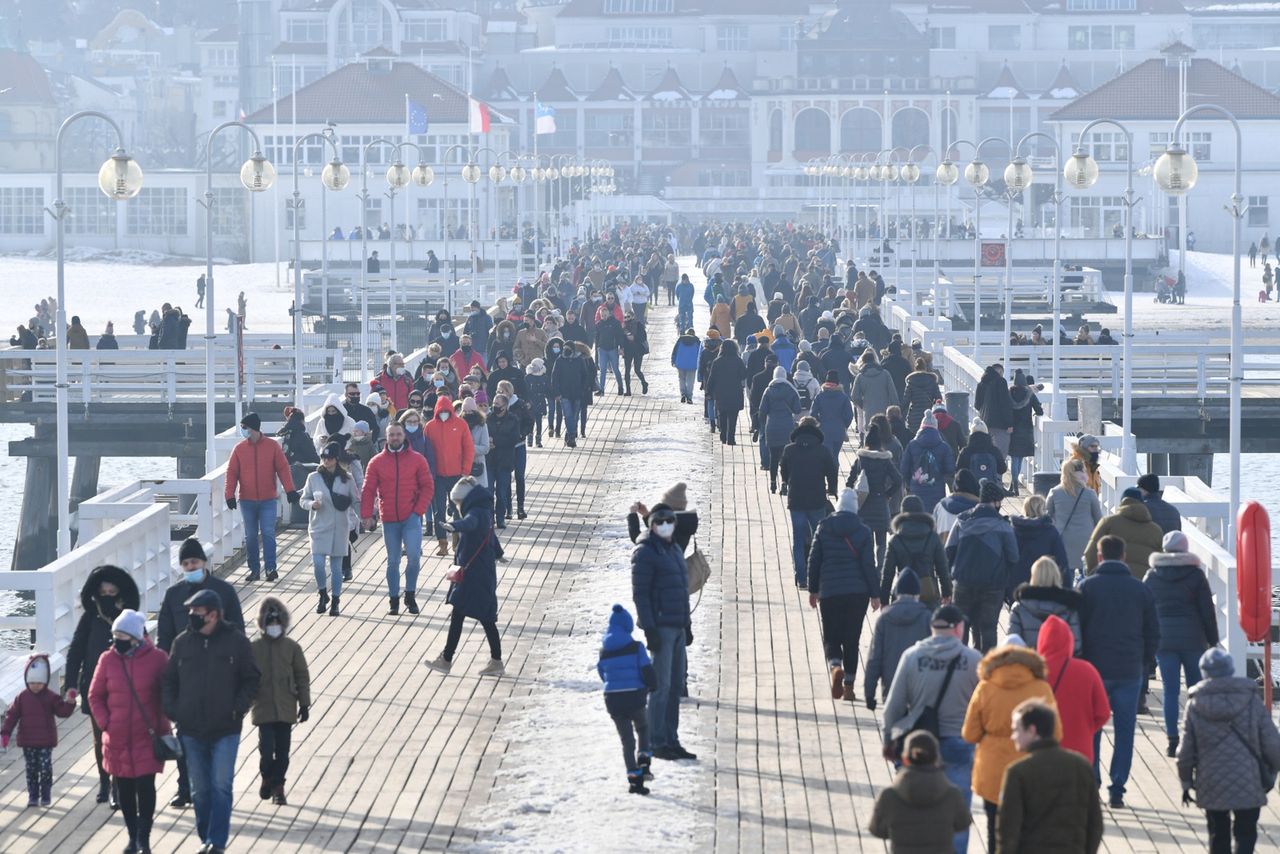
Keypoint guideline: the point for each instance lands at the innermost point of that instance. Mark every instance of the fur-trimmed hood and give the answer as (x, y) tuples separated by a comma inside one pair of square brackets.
[(801, 431), (919, 524), (868, 454), (1011, 666), (1062, 596), (1173, 560), (268, 603), (123, 581)]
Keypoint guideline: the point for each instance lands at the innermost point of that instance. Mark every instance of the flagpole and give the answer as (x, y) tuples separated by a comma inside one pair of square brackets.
[(275, 131), (537, 196)]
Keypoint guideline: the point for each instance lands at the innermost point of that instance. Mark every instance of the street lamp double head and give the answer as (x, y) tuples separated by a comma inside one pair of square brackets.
[(120, 177)]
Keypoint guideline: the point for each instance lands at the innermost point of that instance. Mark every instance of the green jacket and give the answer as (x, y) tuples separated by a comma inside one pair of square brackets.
[(1049, 803), (920, 812), (286, 682)]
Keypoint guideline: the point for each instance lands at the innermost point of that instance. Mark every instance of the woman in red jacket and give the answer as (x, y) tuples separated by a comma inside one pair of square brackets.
[(1077, 687), (125, 700), (450, 438)]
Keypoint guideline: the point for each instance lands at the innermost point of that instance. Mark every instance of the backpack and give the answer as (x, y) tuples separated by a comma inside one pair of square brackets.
[(928, 472), (806, 399), (983, 466)]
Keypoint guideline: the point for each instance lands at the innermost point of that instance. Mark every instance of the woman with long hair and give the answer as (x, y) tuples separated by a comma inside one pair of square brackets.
[(1075, 510), (327, 495)]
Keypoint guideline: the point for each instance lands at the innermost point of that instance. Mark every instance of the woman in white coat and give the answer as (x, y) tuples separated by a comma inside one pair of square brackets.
[(333, 421), (1075, 511), (328, 496), (479, 438)]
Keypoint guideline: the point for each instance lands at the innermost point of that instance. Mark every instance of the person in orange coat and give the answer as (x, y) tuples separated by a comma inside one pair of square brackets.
[(255, 466), (466, 357), (450, 437), (1082, 701), (1007, 675)]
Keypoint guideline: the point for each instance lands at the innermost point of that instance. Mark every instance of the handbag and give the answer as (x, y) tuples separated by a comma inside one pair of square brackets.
[(477, 469), (928, 719), (1266, 774), (166, 748), (457, 573), (699, 569)]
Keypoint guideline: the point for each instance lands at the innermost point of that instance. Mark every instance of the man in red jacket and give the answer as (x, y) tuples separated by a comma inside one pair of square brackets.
[(395, 381), (450, 437), (400, 480), (255, 465)]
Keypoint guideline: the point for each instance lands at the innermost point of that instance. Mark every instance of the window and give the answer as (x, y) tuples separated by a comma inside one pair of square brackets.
[(609, 129), (1101, 5), (1198, 145), (860, 130), (813, 132), (353, 150), (229, 211), (638, 7), (433, 218), (724, 129), (158, 212), (731, 37), (288, 216), (305, 31), (943, 38), (90, 212), (787, 37), (1097, 216), (775, 131), (373, 214), (638, 37), (1258, 213), (1105, 147), (435, 145), (665, 128), (566, 135), (431, 30), (724, 177), (1157, 142), (1004, 37), (219, 109), (279, 150), (220, 57), (22, 210), (1103, 37)]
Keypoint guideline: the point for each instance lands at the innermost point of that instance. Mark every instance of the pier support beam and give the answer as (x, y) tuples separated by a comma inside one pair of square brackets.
[(1158, 464), (1192, 465), (37, 542), (84, 485), (193, 468)]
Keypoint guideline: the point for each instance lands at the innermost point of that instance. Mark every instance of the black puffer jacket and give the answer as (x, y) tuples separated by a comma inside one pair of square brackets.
[(659, 583), (210, 682), (843, 557), (93, 632), (991, 399), (883, 480), (921, 394), (808, 470), (1184, 603), (915, 544)]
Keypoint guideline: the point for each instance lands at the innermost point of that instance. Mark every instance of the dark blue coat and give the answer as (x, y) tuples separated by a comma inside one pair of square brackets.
[(778, 409), (927, 441), (1036, 538), (834, 412), (476, 596), (1162, 512), (843, 558), (1118, 621), (659, 583), (982, 549), (1184, 603)]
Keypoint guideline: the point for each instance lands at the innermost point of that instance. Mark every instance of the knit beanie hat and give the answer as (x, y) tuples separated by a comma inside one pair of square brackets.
[(537, 367), (191, 548), (333, 450), (252, 421), (805, 346), (1215, 664), (1131, 493), (833, 377), (989, 492), (1175, 541), (1149, 483), (131, 623), (469, 405), (978, 426), (1014, 640), (361, 427), (848, 501), (620, 620), (912, 504), (779, 373), (908, 583), (38, 669), (929, 421), (939, 407), (677, 497)]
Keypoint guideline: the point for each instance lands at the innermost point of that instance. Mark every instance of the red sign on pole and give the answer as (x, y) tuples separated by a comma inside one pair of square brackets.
[(993, 254)]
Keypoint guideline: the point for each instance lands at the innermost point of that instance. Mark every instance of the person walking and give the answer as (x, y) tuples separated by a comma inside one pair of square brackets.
[(992, 400), (1041, 597), (108, 592), (660, 590), (1188, 622), (927, 464), (635, 346), (920, 395), (608, 344), (900, 625), (1121, 635), (915, 545), (257, 463), (684, 302), (809, 475), (983, 552), (876, 480), (126, 699), (1048, 801), (209, 685), (938, 673), (399, 481), (724, 383), (834, 411), (779, 406), (454, 449), (1075, 510), (1077, 687), (685, 355), (843, 582), (478, 423), (473, 586), (34, 713), (1131, 523), (922, 811), (284, 698), (328, 496), (628, 675), (1037, 537), (505, 437), (1007, 676), (1228, 754), (980, 455), (963, 497), (1022, 436), (1162, 512), (874, 389)]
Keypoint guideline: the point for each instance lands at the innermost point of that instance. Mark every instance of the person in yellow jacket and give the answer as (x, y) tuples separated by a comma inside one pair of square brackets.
[(722, 318), (1007, 675)]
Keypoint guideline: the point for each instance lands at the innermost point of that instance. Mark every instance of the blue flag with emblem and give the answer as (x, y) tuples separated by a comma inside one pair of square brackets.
[(417, 117)]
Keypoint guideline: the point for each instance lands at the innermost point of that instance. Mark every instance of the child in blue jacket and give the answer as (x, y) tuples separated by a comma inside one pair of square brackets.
[(628, 678)]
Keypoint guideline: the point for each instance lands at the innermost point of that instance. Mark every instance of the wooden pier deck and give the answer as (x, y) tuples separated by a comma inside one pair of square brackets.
[(398, 758)]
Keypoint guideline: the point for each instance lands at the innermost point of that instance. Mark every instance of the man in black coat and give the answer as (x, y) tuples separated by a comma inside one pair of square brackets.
[(992, 400), (810, 473), (209, 686), (479, 324), (358, 411), (571, 386), (1162, 512)]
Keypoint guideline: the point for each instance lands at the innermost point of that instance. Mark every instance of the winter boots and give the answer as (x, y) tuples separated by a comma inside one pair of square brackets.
[(323, 604), (849, 696), (493, 668), (635, 779), (410, 603), (440, 664), (1173, 746), (333, 607), (265, 788), (645, 760), (442, 547), (272, 575), (277, 796), (837, 681), (395, 606), (104, 788)]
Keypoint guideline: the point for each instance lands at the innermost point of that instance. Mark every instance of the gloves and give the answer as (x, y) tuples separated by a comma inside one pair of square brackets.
[(304, 712), (688, 635), (651, 641), (1187, 798), (231, 503), (292, 495), (871, 702), (448, 526)]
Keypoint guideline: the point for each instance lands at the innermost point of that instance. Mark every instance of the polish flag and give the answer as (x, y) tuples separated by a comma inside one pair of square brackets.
[(478, 115)]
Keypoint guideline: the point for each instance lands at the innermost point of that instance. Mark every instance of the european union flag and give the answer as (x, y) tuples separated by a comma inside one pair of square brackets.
[(417, 118)]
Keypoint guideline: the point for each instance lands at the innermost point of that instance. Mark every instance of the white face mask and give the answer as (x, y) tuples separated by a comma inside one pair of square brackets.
[(274, 631), (666, 530), (401, 372), (444, 416)]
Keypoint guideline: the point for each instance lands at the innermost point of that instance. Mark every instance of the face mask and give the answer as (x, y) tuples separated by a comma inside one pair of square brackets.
[(124, 647), (445, 333), (1093, 456), (274, 631), (555, 349), (244, 432), (444, 416), (107, 605), (665, 529), (411, 428), (466, 348), (197, 622), (401, 372), (353, 398), (438, 383), (195, 576)]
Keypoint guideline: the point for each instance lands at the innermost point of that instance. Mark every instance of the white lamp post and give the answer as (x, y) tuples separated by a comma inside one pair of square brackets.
[(911, 174)]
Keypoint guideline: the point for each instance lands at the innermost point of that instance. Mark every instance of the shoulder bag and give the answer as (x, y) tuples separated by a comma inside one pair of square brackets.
[(1266, 774), (928, 719), (166, 748), (699, 569), (457, 573)]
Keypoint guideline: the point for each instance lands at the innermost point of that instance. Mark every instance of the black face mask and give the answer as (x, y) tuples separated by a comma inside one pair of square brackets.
[(108, 605), (124, 647), (197, 622)]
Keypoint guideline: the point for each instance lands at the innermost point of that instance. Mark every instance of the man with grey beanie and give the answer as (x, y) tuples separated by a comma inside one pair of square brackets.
[(983, 552)]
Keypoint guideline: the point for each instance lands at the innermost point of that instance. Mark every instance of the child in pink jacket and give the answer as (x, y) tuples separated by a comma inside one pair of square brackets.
[(32, 713)]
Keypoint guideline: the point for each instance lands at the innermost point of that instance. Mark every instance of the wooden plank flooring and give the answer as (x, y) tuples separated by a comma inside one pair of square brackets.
[(397, 758)]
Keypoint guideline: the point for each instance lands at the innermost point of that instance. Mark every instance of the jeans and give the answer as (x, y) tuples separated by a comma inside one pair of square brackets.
[(1123, 695), (1171, 662), (274, 740), (686, 378), (709, 408), (1015, 469), (957, 764), (684, 317), (522, 460), (981, 606), (211, 765), (608, 362), (882, 543), (803, 525), (842, 618), (1221, 831), (259, 520), (664, 702), (440, 504), (502, 495), (335, 572), (407, 533), (638, 308), (572, 410)]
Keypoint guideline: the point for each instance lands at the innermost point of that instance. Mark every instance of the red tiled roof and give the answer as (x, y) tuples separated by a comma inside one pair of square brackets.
[(1149, 91), (355, 93), (25, 78)]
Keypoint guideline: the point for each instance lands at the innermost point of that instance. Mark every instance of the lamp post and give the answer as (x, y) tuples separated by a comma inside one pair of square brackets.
[(861, 176), (911, 174), (1176, 173), (120, 179), (1081, 172), (1020, 175), (335, 176), (257, 175), (947, 174)]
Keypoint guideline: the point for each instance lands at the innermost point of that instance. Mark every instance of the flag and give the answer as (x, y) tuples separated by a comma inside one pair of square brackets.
[(478, 116), (544, 118), (417, 118)]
